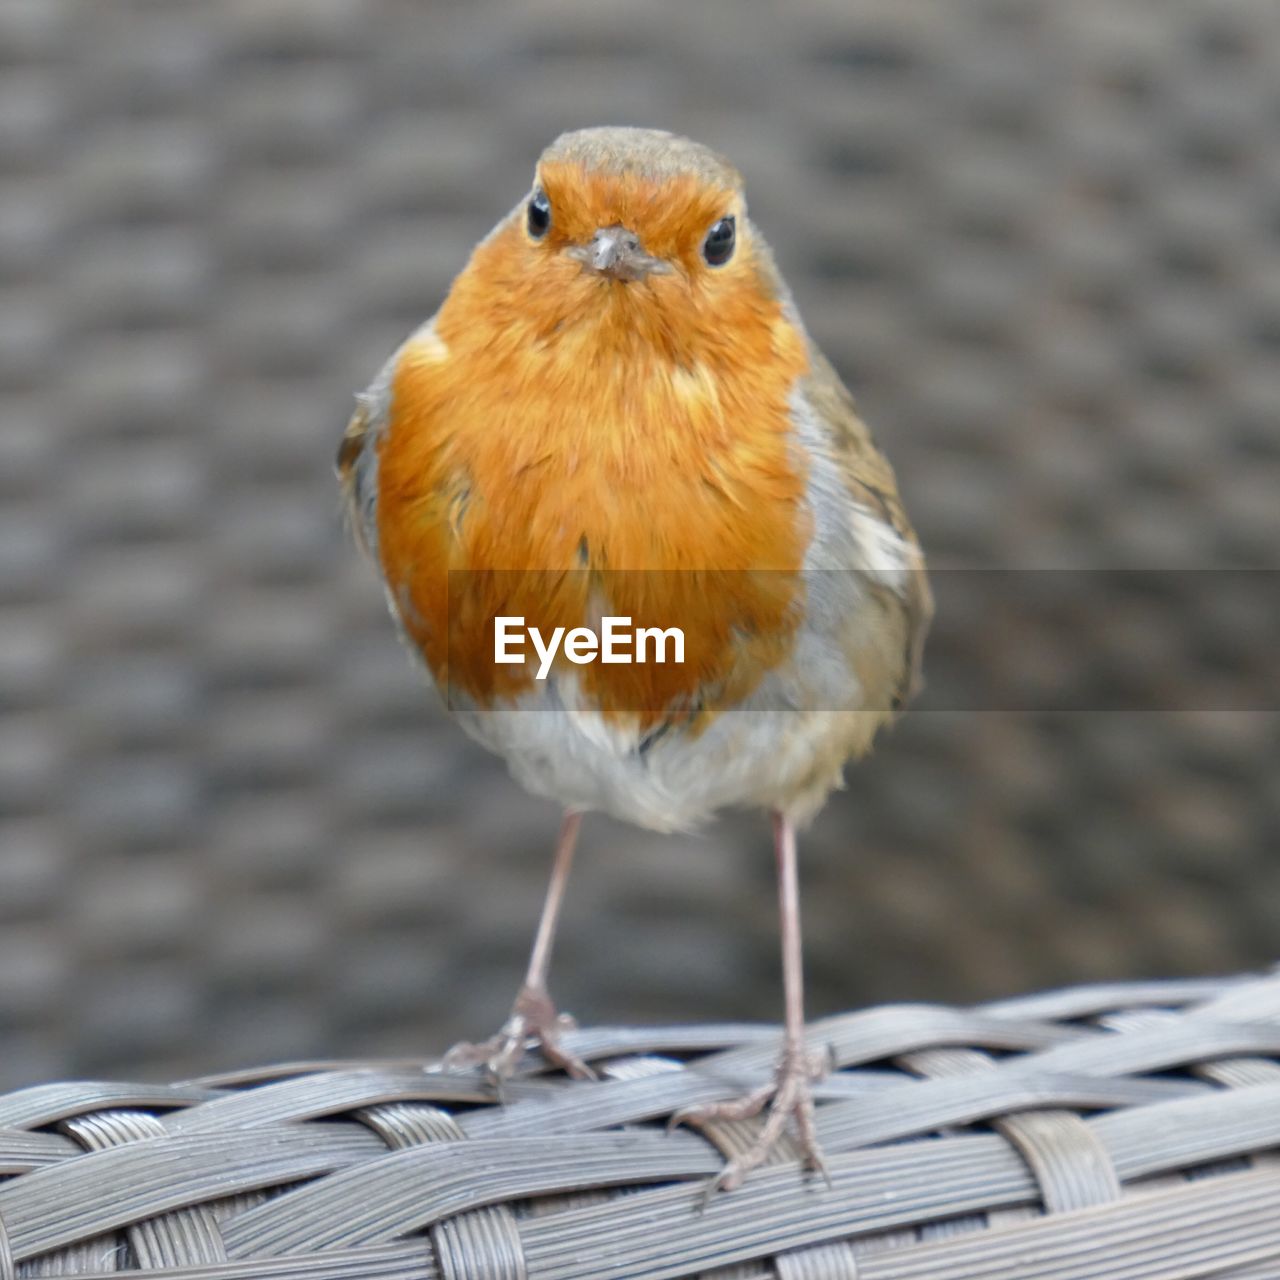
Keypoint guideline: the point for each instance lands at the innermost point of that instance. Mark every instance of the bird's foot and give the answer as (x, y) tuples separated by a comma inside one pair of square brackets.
[(788, 1096), (534, 1021)]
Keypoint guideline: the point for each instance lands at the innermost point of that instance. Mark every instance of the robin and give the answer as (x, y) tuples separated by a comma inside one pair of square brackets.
[(617, 412)]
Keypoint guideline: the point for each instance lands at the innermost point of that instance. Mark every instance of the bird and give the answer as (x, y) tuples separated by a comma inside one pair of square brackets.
[(617, 412)]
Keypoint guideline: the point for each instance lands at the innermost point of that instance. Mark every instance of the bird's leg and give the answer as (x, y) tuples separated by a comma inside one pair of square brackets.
[(788, 1095), (533, 1016)]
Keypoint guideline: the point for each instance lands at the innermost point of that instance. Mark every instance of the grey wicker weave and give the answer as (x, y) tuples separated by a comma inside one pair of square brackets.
[(1127, 1132)]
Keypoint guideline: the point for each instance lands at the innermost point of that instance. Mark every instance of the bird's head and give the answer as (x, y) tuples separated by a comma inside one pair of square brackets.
[(631, 236), (627, 205)]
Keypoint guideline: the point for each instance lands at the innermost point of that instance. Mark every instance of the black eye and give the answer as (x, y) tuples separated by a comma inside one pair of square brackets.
[(539, 214), (717, 248)]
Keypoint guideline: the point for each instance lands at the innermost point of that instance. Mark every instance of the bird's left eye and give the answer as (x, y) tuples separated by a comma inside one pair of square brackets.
[(717, 248), (539, 215)]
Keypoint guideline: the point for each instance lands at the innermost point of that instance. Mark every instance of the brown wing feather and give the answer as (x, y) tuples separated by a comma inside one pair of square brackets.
[(871, 482), (347, 464)]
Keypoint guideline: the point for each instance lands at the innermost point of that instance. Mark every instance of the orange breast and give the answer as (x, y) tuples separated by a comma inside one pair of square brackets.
[(561, 446)]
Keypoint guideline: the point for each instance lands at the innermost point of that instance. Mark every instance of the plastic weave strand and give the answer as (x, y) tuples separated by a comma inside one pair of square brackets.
[(1127, 1132)]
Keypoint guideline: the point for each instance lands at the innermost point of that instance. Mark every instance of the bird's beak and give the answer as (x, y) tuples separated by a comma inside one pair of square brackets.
[(615, 252)]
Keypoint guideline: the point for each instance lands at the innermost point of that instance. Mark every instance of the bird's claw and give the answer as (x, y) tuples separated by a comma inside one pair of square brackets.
[(534, 1021), (743, 1108), (789, 1097)]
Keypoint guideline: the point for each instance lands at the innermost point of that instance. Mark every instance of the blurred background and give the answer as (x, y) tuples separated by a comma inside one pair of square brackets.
[(1041, 242)]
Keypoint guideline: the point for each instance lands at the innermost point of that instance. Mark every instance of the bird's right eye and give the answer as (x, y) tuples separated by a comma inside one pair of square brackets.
[(539, 214)]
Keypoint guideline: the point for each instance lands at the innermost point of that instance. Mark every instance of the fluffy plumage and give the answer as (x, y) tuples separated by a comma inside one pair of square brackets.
[(551, 428)]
